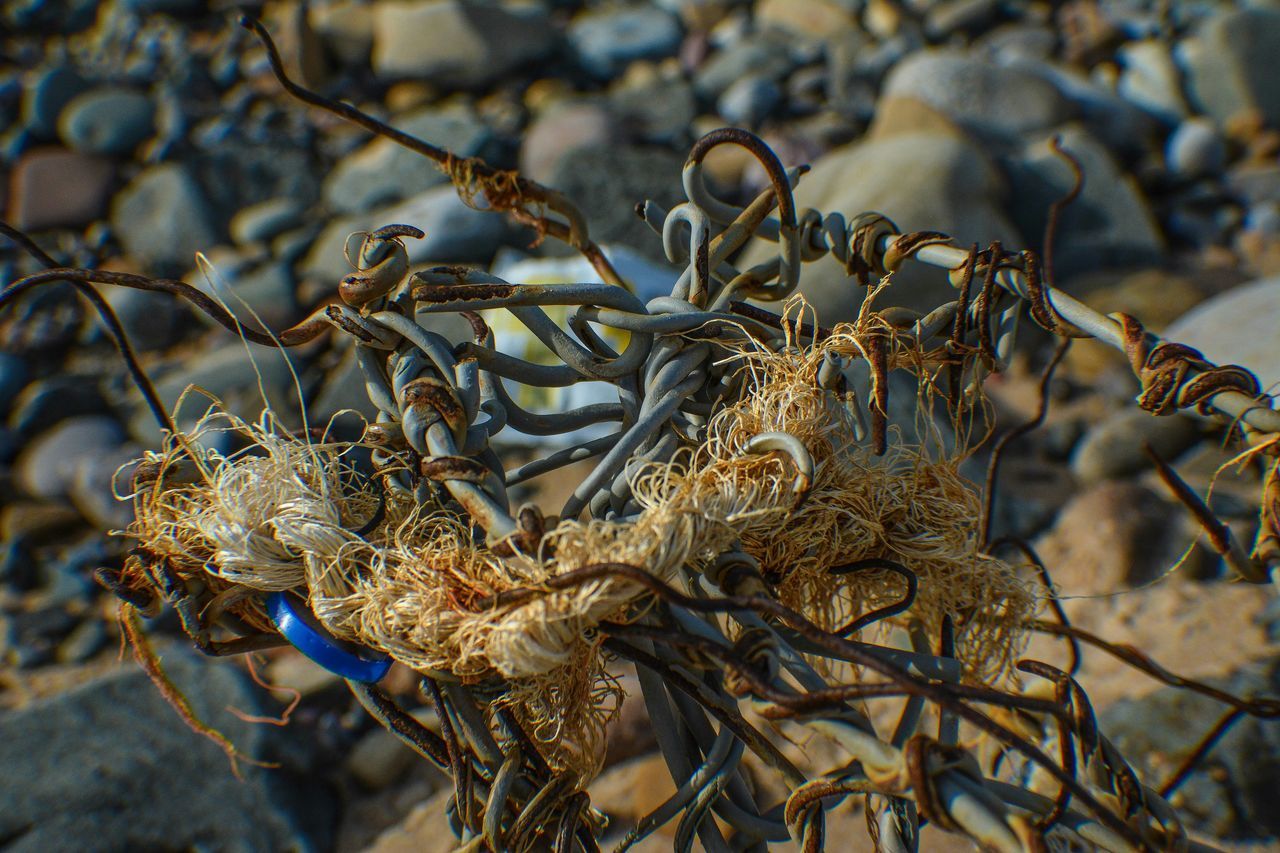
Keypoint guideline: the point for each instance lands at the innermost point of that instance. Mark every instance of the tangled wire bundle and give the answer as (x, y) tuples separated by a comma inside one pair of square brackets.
[(753, 536)]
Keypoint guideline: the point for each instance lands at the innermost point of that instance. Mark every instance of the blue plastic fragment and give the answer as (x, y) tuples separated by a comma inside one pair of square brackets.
[(339, 658)]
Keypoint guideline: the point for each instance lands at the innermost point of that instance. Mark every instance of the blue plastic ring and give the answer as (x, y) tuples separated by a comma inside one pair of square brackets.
[(322, 649)]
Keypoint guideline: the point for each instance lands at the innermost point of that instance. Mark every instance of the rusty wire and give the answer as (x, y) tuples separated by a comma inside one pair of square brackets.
[(723, 649)]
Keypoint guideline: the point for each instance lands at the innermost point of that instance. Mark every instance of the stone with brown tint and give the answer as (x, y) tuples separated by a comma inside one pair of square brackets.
[(57, 188)]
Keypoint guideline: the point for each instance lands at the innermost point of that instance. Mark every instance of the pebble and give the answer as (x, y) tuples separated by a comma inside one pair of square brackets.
[(558, 130), (45, 96), (453, 43), (1237, 327), (379, 759), (13, 378), (28, 639), (19, 569), (1109, 226), (47, 466), (84, 641), (454, 233), (383, 172), (1151, 80), (953, 16), (258, 296), (162, 218), (1231, 794), (48, 401), (56, 188), (97, 479), (1195, 149), (152, 321), (261, 222), (1113, 536), (994, 102), (927, 180), (812, 19), (346, 29), (107, 121), (42, 523), (659, 112), (766, 55), (97, 768), (607, 181), (749, 101), (1021, 42), (606, 41), (1227, 65), (1113, 448)]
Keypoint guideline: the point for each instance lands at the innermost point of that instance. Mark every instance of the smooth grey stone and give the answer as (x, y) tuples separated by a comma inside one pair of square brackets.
[(1231, 794), (110, 766), (1254, 182), (1237, 327), (82, 643), (1151, 80), (1196, 148), (749, 101), (1230, 65), (28, 640), (233, 375), (995, 102), (48, 401), (1113, 448), (953, 16), (47, 466), (382, 172), (454, 233), (259, 223), (257, 296), (660, 112), (19, 569), (457, 44), (95, 482), (1123, 127), (924, 181), (608, 181), (107, 121), (1109, 225), (13, 378), (608, 40), (45, 96), (1020, 41), (766, 55), (151, 321), (162, 218), (560, 128)]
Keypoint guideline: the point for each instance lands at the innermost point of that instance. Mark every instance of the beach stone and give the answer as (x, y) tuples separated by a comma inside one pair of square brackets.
[(766, 55), (1113, 448), (162, 218), (953, 16), (607, 181), (749, 101), (454, 43), (98, 767), (47, 401), (346, 29), (1115, 535), (454, 233), (107, 121), (95, 481), (56, 188), (660, 111), (995, 102), (1196, 148), (1023, 41), (84, 641), (151, 321), (1228, 65), (1255, 182), (923, 181), (1151, 80), (379, 759), (382, 172), (1109, 225), (45, 96), (1231, 794), (1237, 327), (814, 19), (608, 40), (46, 467), (266, 291), (14, 374), (261, 222), (560, 129), (19, 568)]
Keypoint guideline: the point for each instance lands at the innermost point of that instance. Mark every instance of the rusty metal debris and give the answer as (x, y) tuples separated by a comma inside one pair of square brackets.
[(717, 649)]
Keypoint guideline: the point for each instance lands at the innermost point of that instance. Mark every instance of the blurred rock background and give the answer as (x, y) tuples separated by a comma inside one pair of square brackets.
[(134, 133)]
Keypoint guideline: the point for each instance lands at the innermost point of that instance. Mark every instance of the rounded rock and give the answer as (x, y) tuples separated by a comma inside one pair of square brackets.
[(47, 467), (107, 121), (1196, 148)]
